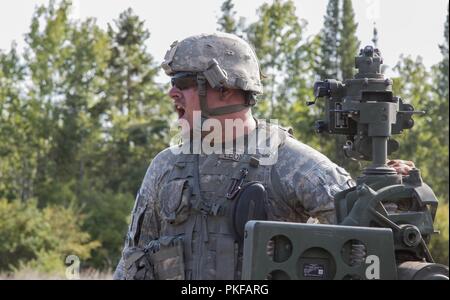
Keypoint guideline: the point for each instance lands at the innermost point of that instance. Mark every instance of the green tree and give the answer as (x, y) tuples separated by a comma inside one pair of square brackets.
[(134, 111), (16, 155), (81, 118), (65, 63), (40, 239), (99, 118), (439, 242), (45, 54), (276, 37), (227, 22), (441, 84), (437, 123), (339, 44), (289, 63), (348, 43), (423, 143), (329, 63), (138, 108)]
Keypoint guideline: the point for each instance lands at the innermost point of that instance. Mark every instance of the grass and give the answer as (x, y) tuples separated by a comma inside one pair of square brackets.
[(28, 274)]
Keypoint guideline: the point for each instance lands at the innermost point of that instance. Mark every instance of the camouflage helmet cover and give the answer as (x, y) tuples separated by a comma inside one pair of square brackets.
[(235, 59)]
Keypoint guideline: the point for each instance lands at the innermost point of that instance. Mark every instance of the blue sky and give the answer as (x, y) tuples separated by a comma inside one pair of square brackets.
[(412, 27)]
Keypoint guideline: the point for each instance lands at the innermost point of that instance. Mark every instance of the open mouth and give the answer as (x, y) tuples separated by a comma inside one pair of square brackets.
[(180, 110)]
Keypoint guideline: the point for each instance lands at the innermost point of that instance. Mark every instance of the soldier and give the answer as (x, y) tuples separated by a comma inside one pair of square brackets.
[(189, 212)]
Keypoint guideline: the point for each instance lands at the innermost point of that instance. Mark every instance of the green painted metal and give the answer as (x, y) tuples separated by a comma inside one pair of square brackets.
[(312, 252)]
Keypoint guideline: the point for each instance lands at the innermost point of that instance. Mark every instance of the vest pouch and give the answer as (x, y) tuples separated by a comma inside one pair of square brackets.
[(137, 264), (175, 201), (167, 257)]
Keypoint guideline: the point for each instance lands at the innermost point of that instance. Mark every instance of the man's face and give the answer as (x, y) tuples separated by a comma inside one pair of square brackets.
[(185, 98), (184, 93)]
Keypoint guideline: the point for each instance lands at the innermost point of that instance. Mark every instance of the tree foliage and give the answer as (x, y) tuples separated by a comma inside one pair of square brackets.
[(227, 22), (339, 44), (329, 65), (348, 42), (81, 118), (423, 143), (439, 242), (39, 238)]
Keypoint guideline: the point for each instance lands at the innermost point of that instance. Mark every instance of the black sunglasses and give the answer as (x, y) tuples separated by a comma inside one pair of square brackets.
[(184, 80)]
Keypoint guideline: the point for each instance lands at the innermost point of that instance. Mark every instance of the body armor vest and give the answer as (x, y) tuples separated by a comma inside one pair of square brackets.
[(197, 206)]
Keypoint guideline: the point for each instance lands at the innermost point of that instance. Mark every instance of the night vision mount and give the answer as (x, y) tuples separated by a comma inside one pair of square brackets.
[(365, 110)]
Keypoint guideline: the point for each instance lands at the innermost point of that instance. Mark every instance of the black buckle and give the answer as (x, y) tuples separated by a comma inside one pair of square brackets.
[(202, 207)]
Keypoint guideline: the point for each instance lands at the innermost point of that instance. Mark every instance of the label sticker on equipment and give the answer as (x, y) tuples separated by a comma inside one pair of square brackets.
[(313, 270)]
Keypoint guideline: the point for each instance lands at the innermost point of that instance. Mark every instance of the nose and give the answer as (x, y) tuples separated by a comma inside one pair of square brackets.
[(175, 93)]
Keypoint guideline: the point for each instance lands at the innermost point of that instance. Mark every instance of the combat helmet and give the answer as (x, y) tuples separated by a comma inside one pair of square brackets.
[(221, 59)]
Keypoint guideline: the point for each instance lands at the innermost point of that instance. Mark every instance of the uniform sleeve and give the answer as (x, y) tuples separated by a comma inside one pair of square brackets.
[(310, 191), (145, 224), (317, 188)]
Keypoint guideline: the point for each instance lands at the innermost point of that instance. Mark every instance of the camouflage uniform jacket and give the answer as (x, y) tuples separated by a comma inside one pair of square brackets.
[(300, 185)]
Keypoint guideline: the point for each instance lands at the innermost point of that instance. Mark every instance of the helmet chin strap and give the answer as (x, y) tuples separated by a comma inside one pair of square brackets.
[(206, 112)]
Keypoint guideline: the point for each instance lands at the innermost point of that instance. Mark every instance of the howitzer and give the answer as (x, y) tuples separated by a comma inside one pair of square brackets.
[(384, 223)]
